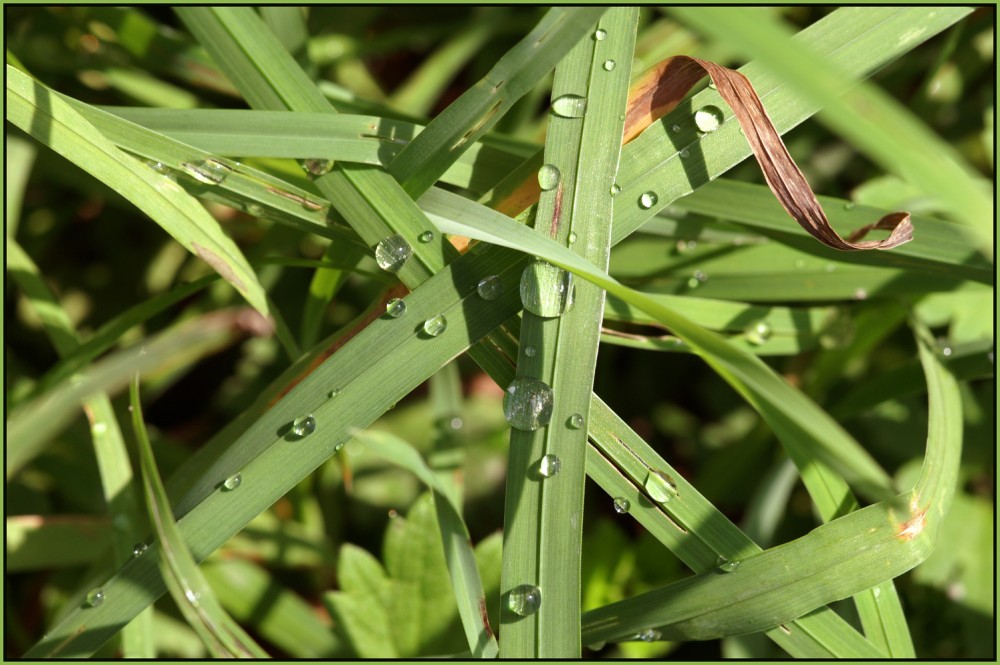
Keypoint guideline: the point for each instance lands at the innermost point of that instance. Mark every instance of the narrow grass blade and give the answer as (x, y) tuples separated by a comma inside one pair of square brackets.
[(41, 113), (37, 542), (187, 584)]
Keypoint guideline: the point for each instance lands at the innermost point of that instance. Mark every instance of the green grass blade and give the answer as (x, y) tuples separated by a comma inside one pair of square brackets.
[(41, 113), (37, 542)]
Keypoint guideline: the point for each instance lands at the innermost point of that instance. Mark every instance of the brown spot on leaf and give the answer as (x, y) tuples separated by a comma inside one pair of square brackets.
[(219, 265)]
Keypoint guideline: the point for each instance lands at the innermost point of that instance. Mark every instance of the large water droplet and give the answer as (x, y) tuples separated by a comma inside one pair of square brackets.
[(549, 466), (304, 426), (622, 505), (209, 171), (650, 635), (395, 308), (546, 290), (569, 106), (524, 600), (609, 65), (527, 404), (660, 487), (600, 34), (548, 177), (725, 565), (709, 118), (232, 482), (648, 200), (435, 325), (758, 332), (391, 253), (490, 288), (139, 549), (575, 421), (318, 167), (94, 597), (426, 236)]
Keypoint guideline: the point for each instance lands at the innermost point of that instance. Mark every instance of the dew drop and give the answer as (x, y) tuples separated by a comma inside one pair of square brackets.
[(159, 167), (435, 325), (616, 189), (303, 426), (524, 600), (860, 294), (527, 404), (675, 129), (660, 487), (334, 393), (685, 153), (648, 200), (711, 84), (391, 253), (192, 596), (139, 549), (318, 167), (546, 290), (232, 482), (209, 171), (530, 351), (395, 308), (426, 236), (850, 205), (697, 279), (600, 34), (490, 288), (569, 106), (255, 210), (709, 118), (572, 237), (758, 332), (95, 597), (549, 466), (609, 65), (548, 177), (650, 635), (725, 565), (622, 505), (575, 421)]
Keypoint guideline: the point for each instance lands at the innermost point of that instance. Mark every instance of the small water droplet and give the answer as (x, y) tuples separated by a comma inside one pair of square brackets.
[(232, 482), (622, 505), (850, 205), (99, 428), (456, 423), (989, 356), (572, 237), (660, 487), (946, 351), (318, 167), (876, 592), (524, 600), (685, 153), (139, 549), (860, 294), (697, 279), (209, 171), (600, 34), (95, 597), (192, 596), (711, 84), (758, 332), (530, 351), (159, 167), (333, 393), (426, 236), (725, 565), (546, 290), (490, 288), (391, 253), (548, 177), (395, 308), (648, 200), (435, 325), (303, 426), (675, 128), (609, 65), (549, 466), (255, 209), (616, 189), (684, 246), (569, 106), (575, 421), (527, 404), (709, 118), (597, 646), (650, 635)]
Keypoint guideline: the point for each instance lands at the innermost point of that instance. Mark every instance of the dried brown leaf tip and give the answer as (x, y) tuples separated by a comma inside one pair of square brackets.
[(662, 88)]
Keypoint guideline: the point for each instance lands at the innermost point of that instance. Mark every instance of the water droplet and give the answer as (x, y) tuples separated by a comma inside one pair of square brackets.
[(622, 505), (139, 549), (334, 393), (685, 153), (575, 421), (549, 466), (850, 205), (711, 84), (946, 351), (650, 635), (609, 65), (758, 332), (524, 600), (616, 189), (597, 646), (304, 426), (209, 171), (860, 294), (675, 128), (232, 482), (572, 237), (548, 177), (159, 167), (192, 596), (391, 253), (255, 209), (600, 34), (395, 308), (95, 597), (546, 290), (527, 404), (648, 200), (569, 106), (318, 167), (697, 279), (684, 246), (456, 423), (426, 236), (435, 325), (989, 356), (876, 592), (725, 565), (709, 118), (490, 288), (660, 487), (530, 351)]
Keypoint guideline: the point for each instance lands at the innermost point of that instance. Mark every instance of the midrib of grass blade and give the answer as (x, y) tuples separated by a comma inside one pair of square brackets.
[(866, 116), (452, 132), (543, 545)]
